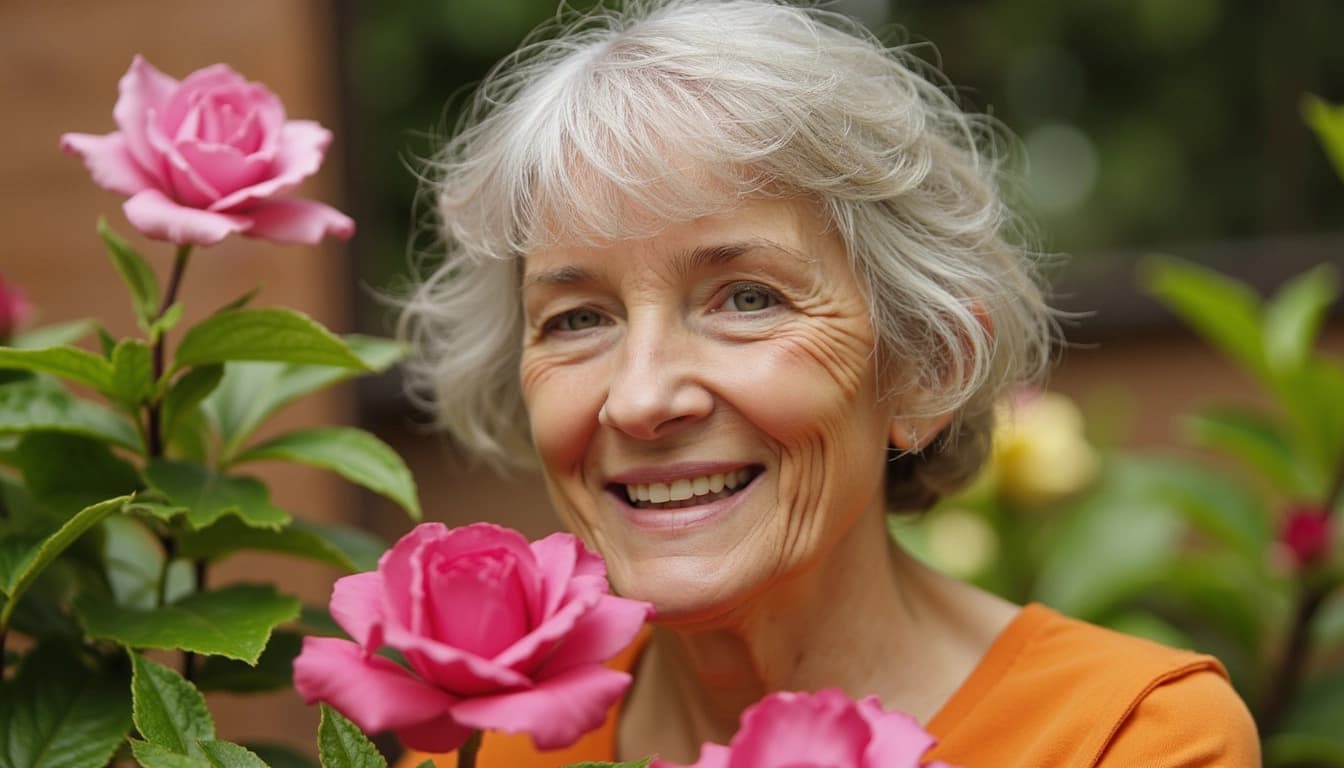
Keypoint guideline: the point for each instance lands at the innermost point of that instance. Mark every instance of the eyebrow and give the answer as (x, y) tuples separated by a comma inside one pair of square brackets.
[(700, 257)]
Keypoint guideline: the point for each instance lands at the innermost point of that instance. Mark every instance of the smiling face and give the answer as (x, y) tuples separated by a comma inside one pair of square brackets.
[(705, 402)]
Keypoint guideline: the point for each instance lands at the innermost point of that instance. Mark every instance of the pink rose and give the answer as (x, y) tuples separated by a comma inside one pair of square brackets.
[(498, 634), (826, 729), (207, 157), (14, 310)]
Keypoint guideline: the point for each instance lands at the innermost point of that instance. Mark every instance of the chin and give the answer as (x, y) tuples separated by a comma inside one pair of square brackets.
[(688, 592)]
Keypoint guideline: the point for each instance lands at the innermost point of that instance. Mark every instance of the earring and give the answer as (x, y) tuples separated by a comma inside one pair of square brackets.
[(913, 436)]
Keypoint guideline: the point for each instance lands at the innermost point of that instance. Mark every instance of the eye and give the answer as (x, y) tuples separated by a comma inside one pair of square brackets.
[(574, 320), (749, 298)]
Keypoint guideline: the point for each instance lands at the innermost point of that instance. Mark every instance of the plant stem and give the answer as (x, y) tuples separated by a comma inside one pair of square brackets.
[(466, 754), (155, 438), (189, 658)]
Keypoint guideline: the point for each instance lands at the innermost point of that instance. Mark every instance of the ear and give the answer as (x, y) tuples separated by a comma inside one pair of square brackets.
[(912, 434)]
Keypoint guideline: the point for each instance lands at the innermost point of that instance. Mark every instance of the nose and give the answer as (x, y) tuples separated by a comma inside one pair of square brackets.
[(656, 387)]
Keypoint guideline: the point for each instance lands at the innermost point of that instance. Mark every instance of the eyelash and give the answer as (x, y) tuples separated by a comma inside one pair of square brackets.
[(772, 298), (555, 324)]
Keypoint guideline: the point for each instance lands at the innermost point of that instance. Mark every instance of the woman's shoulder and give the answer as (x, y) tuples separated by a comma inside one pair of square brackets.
[(1057, 691)]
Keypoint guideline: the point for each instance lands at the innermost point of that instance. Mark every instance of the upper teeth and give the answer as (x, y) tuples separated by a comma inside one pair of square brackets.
[(678, 490)]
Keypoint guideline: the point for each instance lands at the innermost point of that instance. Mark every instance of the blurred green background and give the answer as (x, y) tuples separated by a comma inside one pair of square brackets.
[(1143, 122)]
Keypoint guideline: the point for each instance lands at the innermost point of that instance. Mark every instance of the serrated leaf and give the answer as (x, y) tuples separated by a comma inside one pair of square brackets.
[(209, 495), (273, 671), (1293, 317), (340, 743), (252, 391), (226, 754), (69, 363), (31, 564), (132, 373), (136, 273), (149, 755), (235, 621), (347, 548), (54, 335), (279, 756), (186, 393), (42, 405), (1327, 121), (1260, 444), (1225, 312), (67, 473), (351, 453), (58, 712), (168, 711), (272, 334)]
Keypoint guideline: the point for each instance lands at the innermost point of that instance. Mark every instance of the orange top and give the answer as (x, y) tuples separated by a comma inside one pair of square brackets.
[(1051, 691)]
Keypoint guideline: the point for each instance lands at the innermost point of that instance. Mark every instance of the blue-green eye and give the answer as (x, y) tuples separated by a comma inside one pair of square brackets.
[(574, 320), (749, 298)]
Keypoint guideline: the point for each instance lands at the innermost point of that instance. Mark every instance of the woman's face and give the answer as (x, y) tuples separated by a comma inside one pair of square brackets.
[(705, 402)]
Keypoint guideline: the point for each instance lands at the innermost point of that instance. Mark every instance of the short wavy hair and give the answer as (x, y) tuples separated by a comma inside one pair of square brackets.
[(614, 124)]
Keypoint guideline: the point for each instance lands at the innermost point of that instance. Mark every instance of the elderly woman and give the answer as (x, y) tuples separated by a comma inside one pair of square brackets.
[(742, 282)]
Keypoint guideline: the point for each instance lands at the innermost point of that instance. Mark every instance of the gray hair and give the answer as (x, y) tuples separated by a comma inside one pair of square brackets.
[(668, 111)]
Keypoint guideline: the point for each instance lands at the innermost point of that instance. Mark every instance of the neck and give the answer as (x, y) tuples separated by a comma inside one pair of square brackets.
[(868, 620)]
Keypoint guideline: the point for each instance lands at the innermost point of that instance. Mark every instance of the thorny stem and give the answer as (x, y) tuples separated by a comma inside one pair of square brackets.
[(1287, 676)]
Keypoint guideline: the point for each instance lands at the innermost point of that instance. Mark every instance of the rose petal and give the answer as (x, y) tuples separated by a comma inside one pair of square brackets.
[(143, 90), (557, 556), (374, 692), (524, 654), (897, 739), (453, 669), (109, 161), (298, 155), (794, 728), (556, 712), (225, 168), (188, 95), (398, 565), (151, 212), (183, 184), (357, 606), (601, 633), (442, 734), (475, 601), (298, 221)]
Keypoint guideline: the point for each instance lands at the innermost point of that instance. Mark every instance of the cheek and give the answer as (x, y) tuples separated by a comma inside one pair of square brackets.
[(562, 404)]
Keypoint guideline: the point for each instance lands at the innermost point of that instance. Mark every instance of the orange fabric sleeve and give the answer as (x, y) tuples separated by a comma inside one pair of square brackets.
[(1194, 721)]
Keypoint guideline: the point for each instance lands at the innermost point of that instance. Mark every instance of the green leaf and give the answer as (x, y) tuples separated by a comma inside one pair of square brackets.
[(169, 712), (351, 453), (1318, 709), (135, 271), (31, 564), (209, 495), (106, 341), (165, 322), (340, 743), (1293, 317), (133, 563), (1225, 312), (1328, 122), (42, 405), (132, 373), (186, 393), (347, 548), (240, 302), (273, 671), (226, 754), (71, 363), (252, 391), (58, 712), (55, 335), (272, 334), (1260, 444), (149, 755), (1311, 396), (67, 473), (235, 621)]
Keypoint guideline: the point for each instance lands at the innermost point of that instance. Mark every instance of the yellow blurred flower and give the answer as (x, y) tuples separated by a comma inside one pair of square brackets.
[(1040, 452), (960, 543)]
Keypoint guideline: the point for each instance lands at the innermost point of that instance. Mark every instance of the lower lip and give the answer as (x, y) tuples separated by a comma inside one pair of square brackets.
[(683, 517)]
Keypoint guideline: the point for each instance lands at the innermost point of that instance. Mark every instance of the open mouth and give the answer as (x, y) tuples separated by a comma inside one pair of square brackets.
[(687, 492)]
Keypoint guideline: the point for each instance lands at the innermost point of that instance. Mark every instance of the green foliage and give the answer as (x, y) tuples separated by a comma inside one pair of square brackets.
[(280, 335), (235, 621), (1327, 120), (132, 374), (346, 548), (38, 404), (135, 272), (168, 711), (340, 743), (204, 495), (70, 363), (62, 710), (272, 671), (353, 454)]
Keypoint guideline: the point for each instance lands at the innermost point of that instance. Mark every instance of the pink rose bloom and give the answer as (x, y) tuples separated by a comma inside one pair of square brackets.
[(1307, 534), (14, 310), (826, 729), (499, 634), (208, 156)]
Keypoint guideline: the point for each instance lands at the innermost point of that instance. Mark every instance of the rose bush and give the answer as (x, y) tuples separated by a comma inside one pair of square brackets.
[(826, 729), (499, 634), (209, 156)]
